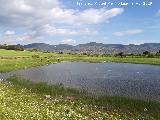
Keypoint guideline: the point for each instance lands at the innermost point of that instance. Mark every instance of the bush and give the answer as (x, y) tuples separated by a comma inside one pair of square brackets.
[(35, 56), (150, 56)]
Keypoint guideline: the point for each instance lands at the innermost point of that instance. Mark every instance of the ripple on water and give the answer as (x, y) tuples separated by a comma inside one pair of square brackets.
[(115, 79)]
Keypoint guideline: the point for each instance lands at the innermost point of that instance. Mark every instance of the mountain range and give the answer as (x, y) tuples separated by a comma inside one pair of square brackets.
[(96, 48)]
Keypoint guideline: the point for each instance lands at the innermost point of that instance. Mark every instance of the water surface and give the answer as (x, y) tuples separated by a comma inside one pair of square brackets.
[(109, 79)]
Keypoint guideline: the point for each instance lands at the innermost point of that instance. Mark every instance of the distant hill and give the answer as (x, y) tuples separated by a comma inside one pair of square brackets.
[(47, 47), (96, 48)]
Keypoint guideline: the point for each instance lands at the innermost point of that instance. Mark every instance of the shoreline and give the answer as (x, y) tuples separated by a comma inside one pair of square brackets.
[(87, 61)]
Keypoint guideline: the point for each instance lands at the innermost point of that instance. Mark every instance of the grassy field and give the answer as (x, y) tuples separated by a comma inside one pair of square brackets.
[(26, 100), (12, 60), (23, 99)]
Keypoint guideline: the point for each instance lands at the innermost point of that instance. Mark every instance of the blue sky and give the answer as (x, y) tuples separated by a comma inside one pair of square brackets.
[(65, 22)]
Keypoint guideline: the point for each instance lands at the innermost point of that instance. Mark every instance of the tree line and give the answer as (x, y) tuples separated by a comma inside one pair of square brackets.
[(123, 54), (12, 47), (144, 54)]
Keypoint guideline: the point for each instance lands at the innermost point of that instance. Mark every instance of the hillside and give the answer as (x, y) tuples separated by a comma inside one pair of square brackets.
[(97, 48)]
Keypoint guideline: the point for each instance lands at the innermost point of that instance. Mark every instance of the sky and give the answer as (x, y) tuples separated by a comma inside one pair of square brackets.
[(79, 21)]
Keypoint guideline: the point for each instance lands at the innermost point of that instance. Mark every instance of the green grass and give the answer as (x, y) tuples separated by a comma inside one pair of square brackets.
[(44, 88), (22, 104), (12, 60), (23, 99)]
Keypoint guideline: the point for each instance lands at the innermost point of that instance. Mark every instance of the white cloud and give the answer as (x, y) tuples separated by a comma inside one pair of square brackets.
[(92, 16), (10, 32), (140, 41), (52, 31), (47, 17), (68, 41), (26, 12), (40, 12), (128, 32), (88, 16), (16, 38), (8, 39), (87, 31), (158, 13)]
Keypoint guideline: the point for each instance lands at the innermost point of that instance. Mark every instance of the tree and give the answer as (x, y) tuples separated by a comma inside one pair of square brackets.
[(84, 53), (12, 47), (150, 55), (121, 54), (34, 50), (60, 52), (146, 53), (158, 53)]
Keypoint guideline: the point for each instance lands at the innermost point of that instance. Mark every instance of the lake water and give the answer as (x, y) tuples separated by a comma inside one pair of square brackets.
[(109, 79)]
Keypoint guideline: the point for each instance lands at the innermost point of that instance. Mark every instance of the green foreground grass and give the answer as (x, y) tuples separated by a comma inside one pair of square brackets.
[(12, 60), (24, 100)]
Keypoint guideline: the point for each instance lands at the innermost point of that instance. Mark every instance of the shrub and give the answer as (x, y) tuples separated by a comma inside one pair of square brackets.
[(35, 56)]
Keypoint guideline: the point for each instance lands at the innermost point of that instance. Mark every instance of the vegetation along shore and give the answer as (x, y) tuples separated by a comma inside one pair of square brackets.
[(12, 60)]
